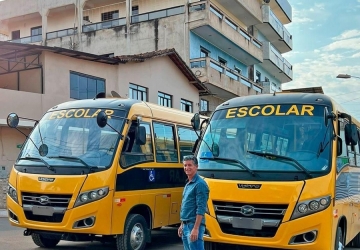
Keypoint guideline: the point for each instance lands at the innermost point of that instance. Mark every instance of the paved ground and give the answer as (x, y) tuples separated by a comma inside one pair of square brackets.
[(11, 238)]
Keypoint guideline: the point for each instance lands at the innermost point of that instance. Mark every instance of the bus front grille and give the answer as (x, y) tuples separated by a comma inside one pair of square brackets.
[(52, 200), (57, 204), (246, 219)]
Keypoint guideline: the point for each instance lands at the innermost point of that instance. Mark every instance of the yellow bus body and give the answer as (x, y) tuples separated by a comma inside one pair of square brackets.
[(158, 205), (342, 185)]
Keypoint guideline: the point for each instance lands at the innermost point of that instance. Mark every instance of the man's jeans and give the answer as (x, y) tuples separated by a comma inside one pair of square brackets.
[(193, 245)]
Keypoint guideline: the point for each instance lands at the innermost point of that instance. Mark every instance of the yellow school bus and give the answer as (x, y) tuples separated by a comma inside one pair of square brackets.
[(283, 172), (101, 169)]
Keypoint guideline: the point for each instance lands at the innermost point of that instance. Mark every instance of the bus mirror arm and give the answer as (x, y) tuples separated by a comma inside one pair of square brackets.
[(101, 120)]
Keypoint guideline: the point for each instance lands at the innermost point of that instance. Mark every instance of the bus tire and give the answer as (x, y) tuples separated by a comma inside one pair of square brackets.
[(134, 237), (41, 241), (209, 245), (338, 238), (356, 241)]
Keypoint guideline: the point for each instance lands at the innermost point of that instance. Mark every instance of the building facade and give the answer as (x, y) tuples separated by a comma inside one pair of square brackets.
[(35, 78), (234, 47)]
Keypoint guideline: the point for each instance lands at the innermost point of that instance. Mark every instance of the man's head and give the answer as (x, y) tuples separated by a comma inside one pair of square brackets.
[(190, 165)]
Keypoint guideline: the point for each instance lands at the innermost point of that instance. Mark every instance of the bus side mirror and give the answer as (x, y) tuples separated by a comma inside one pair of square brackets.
[(141, 135), (101, 119), (351, 134), (339, 147), (195, 122), (12, 120)]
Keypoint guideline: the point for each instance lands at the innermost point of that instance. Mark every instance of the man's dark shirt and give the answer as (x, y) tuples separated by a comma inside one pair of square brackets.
[(194, 201)]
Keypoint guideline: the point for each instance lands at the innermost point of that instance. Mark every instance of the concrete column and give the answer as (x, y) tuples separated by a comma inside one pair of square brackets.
[(80, 4), (44, 14)]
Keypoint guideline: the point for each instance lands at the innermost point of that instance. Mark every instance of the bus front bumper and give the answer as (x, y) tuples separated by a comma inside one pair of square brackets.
[(91, 218), (288, 235)]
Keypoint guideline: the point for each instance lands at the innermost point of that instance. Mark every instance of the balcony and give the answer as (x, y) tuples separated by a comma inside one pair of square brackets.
[(248, 11), (104, 25), (275, 31), (214, 26), (61, 33), (282, 9), (226, 85), (28, 39), (276, 64), (158, 14)]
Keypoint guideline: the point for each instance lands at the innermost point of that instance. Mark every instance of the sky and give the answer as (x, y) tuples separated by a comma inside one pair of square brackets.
[(326, 42)]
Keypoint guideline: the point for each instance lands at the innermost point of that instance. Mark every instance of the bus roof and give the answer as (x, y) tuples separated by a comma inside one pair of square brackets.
[(145, 108), (286, 98)]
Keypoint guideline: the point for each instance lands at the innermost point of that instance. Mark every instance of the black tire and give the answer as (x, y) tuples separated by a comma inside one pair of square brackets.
[(209, 245), (339, 238), (356, 241), (134, 237), (41, 241)]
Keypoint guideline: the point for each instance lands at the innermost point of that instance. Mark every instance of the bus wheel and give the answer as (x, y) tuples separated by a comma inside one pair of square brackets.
[(134, 237), (339, 241), (41, 241), (356, 241), (209, 245)]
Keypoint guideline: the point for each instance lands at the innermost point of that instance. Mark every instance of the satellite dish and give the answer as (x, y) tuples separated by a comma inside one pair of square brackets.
[(115, 94)]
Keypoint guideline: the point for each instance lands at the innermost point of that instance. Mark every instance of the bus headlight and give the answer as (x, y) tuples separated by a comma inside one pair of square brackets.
[(90, 196), (11, 191), (307, 207)]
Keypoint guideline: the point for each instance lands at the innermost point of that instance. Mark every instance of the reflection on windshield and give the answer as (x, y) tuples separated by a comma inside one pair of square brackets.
[(70, 135), (299, 137)]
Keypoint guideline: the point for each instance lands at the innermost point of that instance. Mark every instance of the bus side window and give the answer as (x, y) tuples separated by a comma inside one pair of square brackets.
[(357, 150), (344, 157), (187, 138), (133, 153), (166, 148)]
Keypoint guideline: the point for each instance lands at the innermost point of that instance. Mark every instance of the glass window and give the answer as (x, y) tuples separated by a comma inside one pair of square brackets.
[(204, 52), (186, 105), (109, 15), (137, 92), (164, 100), (36, 31), (204, 105), (84, 86), (222, 61), (237, 70), (258, 76), (166, 150), (187, 138), (134, 153)]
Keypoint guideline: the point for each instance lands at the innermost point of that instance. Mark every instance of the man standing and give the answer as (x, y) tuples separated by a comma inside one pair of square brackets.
[(193, 207)]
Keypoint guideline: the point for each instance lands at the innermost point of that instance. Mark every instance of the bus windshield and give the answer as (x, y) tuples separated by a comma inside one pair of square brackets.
[(288, 138), (73, 138)]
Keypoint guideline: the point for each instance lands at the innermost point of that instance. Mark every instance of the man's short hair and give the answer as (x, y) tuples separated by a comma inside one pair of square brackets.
[(191, 158)]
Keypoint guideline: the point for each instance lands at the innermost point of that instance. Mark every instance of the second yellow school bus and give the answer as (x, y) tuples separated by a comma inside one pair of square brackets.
[(100, 169), (283, 172)]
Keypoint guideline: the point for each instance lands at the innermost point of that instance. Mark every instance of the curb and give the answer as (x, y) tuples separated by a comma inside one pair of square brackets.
[(3, 213)]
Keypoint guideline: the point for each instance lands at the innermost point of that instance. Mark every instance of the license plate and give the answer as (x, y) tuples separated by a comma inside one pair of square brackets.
[(45, 211), (247, 223)]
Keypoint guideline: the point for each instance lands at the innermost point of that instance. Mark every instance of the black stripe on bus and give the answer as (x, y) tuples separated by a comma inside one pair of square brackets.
[(150, 178)]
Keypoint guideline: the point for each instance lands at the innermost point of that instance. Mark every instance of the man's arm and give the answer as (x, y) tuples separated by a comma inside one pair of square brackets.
[(202, 195)]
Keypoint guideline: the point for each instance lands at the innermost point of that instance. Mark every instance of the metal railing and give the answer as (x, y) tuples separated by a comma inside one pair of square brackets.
[(158, 14), (61, 33), (205, 62), (104, 25), (27, 39)]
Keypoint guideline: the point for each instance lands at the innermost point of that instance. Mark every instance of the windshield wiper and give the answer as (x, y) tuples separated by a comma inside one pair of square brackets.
[(276, 157), (74, 158), (230, 160), (28, 158)]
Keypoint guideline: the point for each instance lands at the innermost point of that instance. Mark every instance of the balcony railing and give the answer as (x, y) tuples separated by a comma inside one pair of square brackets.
[(158, 14), (209, 62), (61, 33), (28, 39), (104, 25)]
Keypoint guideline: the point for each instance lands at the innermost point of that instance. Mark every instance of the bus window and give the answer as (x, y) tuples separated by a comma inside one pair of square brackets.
[(165, 143), (187, 138), (134, 153)]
